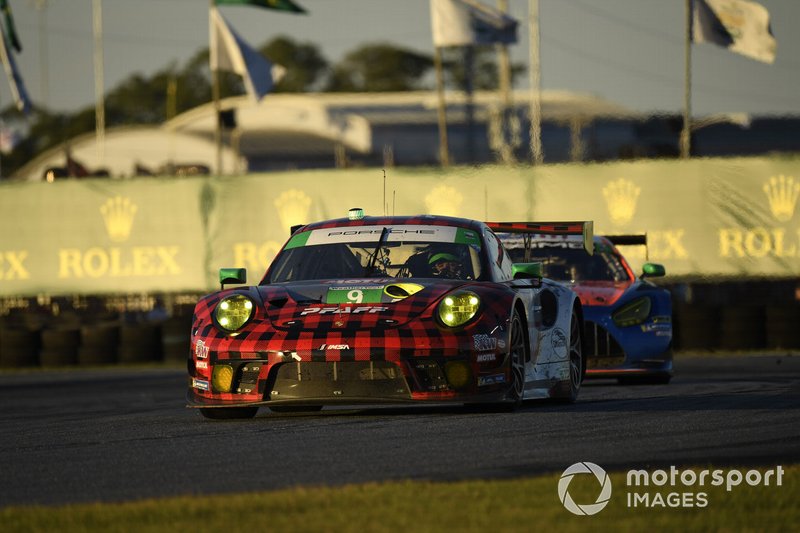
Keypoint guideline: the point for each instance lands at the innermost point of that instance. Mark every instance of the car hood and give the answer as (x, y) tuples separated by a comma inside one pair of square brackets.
[(603, 293), (356, 303)]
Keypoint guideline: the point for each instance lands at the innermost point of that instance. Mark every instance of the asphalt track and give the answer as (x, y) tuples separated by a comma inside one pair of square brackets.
[(117, 435)]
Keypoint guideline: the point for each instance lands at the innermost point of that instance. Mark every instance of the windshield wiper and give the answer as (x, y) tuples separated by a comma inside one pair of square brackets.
[(374, 256)]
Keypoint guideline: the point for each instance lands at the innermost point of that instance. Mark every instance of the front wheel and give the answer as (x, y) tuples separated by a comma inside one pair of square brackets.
[(518, 351), (228, 413)]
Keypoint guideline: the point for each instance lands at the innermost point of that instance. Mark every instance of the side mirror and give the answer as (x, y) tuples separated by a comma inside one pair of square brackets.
[(653, 270), (527, 270), (232, 275)]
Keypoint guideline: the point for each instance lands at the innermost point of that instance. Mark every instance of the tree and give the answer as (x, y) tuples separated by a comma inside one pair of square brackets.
[(379, 68), (484, 69), (304, 63)]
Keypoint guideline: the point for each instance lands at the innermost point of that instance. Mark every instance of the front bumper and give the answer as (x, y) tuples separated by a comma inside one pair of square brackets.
[(616, 352), (424, 379)]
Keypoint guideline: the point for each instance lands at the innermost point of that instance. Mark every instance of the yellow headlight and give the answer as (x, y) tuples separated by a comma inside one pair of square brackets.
[(458, 374), (222, 378), (233, 312), (458, 308)]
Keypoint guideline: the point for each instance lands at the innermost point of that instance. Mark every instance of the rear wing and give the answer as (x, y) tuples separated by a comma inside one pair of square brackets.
[(630, 240), (584, 229)]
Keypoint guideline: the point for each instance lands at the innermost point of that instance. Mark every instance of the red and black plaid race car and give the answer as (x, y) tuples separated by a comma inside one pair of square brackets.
[(367, 310)]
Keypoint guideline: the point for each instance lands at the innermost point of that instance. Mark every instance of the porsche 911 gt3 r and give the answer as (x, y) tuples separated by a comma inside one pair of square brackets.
[(628, 320), (367, 310)]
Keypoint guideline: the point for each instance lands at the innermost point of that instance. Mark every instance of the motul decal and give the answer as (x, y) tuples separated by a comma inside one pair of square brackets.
[(342, 310)]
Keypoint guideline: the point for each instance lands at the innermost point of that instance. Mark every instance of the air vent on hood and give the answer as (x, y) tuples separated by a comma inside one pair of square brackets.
[(402, 290)]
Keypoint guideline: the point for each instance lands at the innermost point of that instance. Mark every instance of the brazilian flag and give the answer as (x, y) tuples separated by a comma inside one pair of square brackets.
[(279, 5)]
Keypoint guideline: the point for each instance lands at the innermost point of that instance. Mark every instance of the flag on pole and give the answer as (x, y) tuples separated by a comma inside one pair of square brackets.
[(741, 26), (11, 30), (279, 5), (18, 91), (228, 51), (468, 22)]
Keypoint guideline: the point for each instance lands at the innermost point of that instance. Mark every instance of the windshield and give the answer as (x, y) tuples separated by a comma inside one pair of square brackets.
[(362, 252), (568, 261)]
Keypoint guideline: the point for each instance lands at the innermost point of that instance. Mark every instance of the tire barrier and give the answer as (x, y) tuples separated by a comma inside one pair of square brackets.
[(60, 346), (175, 338), (782, 326), (139, 343), (696, 327), (742, 328), (19, 347), (99, 344)]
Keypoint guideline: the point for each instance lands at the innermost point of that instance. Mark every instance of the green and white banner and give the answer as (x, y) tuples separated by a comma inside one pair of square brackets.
[(704, 218)]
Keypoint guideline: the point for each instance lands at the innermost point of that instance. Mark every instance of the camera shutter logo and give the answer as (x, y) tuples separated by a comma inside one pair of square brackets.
[(602, 498)]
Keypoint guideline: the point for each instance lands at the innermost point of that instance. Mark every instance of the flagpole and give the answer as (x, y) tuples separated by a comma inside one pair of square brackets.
[(444, 153), (215, 90), (100, 113), (535, 82), (686, 133), (504, 85)]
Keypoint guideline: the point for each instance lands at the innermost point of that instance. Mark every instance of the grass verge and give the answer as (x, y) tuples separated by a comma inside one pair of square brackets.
[(501, 505)]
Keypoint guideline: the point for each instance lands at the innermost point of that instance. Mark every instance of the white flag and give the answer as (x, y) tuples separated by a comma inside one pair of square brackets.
[(228, 51), (740, 26), (467, 22)]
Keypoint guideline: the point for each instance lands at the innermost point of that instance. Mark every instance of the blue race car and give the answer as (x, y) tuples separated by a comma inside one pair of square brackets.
[(628, 319)]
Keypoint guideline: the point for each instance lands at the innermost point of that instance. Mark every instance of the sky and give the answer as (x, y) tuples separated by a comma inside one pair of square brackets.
[(630, 52)]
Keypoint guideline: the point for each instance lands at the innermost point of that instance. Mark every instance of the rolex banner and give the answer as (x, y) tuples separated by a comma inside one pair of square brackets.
[(90, 236), (709, 218)]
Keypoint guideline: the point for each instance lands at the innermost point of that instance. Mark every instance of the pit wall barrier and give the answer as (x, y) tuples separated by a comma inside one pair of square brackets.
[(705, 218), (111, 339)]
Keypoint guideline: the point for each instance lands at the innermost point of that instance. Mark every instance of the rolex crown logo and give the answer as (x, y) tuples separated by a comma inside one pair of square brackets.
[(292, 206), (782, 193), (444, 200), (118, 213), (621, 197)]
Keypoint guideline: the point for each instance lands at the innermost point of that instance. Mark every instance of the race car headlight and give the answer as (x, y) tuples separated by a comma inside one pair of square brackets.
[(458, 308), (233, 312), (632, 313)]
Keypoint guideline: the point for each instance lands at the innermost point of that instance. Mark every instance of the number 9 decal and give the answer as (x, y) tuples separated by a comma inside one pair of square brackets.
[(355, 296)]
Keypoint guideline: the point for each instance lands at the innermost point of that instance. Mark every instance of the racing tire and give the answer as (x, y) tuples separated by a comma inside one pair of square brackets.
[(577, 364), (295, 408), (228, 413), (518, 354)]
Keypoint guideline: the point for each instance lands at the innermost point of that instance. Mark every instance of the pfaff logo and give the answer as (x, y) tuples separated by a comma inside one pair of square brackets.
[(367, 309)]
